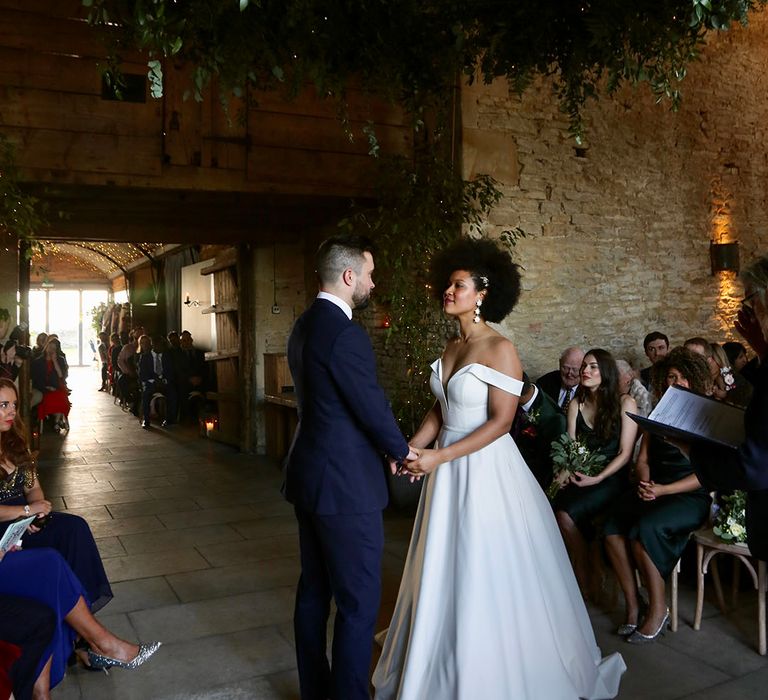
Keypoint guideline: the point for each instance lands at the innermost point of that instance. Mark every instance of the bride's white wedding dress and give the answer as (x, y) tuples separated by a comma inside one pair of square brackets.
[(488, 606)]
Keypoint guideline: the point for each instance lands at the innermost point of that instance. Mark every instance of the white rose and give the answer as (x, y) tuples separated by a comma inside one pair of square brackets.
[(738, 530)]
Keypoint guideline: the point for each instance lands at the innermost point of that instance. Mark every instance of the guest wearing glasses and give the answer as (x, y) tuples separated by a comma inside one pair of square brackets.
[(725, 469), (561, 384)]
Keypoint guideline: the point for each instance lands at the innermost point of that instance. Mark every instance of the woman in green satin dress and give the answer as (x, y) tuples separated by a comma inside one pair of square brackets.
[(597, 417), (650, 524)]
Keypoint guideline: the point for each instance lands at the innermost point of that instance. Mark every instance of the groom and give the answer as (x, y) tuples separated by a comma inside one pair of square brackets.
[(335, 476)]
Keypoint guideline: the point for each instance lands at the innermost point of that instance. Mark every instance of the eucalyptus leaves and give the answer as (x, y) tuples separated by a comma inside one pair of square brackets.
[(570, 456)]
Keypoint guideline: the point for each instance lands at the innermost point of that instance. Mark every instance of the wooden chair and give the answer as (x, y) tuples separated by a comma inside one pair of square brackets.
[(708, 545)]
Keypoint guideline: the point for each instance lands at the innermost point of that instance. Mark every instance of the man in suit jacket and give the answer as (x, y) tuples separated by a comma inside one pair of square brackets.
[(538, 423), (561, 384), (335, 475)]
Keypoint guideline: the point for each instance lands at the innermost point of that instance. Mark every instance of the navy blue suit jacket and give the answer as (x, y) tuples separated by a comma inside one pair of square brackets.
[(346, 426)]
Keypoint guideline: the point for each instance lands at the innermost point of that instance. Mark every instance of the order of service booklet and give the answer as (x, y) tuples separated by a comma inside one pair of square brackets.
[(689, 416), (12, 536)]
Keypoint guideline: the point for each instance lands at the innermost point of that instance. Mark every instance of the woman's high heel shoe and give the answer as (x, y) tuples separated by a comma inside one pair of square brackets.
[(102, 663), (638, 637), (627, 628)]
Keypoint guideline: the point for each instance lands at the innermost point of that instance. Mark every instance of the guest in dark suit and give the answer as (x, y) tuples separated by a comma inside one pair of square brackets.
[(538, 423), (561, 384), (656, 347), (725, 469), (335, 475)]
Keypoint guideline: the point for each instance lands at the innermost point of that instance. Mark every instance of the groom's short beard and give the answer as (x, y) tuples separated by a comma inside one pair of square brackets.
[(360, 303)]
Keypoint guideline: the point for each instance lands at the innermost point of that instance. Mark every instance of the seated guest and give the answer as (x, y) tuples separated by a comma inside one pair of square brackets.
[(128, 379), (649, 526), (165, 368), (597, 419), (538, 423), (560, 385), (730, 385), (656, 346), (10, 363), (193, 372), (703, 347), (49, 376), (29, 625), (726, 469), (631, 385), (40, 341), (21, 495), (112, 352), (737, 355), (43, 576)]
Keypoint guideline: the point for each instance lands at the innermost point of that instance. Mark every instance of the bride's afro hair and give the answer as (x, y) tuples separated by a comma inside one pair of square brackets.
[(485, 260)]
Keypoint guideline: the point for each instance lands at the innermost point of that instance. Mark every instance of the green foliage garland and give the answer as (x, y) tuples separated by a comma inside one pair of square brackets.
[(412, 49), (423, 205), (21, 214)]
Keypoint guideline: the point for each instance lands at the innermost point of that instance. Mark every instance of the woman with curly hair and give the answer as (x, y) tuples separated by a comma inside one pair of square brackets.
[(21, 495), (488, 604), (650, 524), (598, 419)]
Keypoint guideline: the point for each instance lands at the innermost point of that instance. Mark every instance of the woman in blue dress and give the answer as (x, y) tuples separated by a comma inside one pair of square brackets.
[(597, 417), (43, 576), (21, 495)]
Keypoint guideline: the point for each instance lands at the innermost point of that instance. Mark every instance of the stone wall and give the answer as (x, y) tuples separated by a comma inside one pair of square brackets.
[(620, 227)]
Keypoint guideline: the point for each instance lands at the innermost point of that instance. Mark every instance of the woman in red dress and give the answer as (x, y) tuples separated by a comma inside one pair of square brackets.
[(49, 376)]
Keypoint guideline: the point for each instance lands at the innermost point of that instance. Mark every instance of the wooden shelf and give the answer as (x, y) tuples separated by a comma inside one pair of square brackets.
[(287, 399), (221, 396), (222, 262), (221, 308), (221, 355)]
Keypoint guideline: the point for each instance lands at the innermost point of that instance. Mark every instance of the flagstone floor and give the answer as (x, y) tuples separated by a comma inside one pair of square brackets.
[(202, 553)]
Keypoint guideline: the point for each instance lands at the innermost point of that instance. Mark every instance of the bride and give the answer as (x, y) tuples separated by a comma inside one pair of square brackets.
[(488, 605)]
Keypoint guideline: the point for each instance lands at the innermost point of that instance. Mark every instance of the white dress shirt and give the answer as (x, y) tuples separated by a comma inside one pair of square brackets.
[(346, 308)]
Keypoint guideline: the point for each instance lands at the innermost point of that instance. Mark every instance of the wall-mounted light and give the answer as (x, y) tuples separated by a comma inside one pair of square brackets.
[(724, 257), (190, 302)]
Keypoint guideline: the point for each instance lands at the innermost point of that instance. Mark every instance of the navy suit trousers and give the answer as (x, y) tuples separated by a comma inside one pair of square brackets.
[(340, 558)]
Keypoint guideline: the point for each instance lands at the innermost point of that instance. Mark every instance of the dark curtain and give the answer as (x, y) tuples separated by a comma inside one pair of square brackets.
[(173, 265)]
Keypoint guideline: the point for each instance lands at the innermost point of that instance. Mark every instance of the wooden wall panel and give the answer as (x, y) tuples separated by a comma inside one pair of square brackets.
[(68, 151), (51, 107), (39, 109), (352, 172)]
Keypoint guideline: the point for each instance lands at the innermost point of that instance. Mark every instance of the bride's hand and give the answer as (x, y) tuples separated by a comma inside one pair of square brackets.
[(426, 463)]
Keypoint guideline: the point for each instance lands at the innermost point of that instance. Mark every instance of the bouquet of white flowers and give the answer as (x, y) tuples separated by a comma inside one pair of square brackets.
[(569, 456), (729, 522)]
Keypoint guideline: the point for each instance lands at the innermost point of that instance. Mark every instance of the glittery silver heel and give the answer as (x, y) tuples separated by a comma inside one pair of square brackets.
[(638, 637), (97, 661)]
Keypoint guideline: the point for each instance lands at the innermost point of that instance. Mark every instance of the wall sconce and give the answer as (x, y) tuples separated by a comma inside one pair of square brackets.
[(190, 302), (724, 257)]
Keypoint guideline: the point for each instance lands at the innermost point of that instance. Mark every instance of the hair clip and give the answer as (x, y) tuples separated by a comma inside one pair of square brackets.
[(484, 280)]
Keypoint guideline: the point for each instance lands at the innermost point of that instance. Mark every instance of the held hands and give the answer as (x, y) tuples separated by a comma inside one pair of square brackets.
[(398, 468)]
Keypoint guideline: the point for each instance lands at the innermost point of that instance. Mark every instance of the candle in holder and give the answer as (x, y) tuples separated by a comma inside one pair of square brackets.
[(209, 425)]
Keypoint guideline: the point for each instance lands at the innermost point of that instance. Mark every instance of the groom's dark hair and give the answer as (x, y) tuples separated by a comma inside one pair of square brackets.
[(338, 253)]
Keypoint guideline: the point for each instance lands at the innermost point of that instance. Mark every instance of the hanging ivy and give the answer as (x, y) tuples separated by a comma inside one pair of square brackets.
[(21, 214), (410, 50)]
